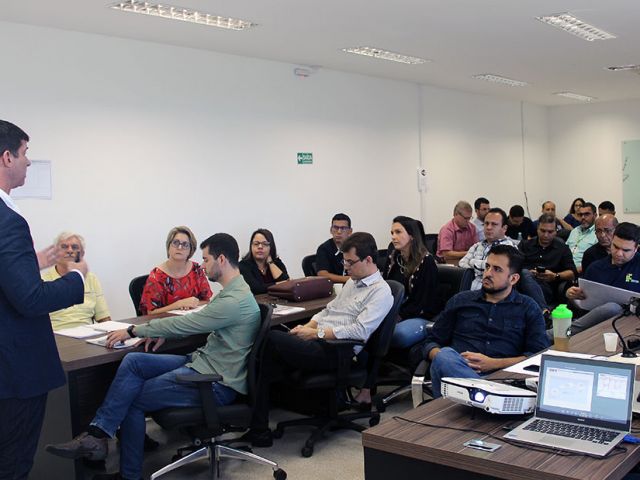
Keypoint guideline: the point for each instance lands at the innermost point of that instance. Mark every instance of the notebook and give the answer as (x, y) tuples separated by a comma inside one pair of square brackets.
[(583, 405)]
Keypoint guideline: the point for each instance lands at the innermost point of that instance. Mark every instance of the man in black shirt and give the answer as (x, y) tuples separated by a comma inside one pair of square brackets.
[(519, 226), (605, 226), (548, 258), (328, 256)]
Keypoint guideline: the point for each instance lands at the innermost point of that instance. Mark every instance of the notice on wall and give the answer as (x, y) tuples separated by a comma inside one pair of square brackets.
[(305, 158), (631, 176), (38, 182)]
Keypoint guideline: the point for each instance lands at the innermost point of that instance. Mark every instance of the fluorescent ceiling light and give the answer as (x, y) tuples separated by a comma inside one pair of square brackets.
[(574, 26), (182, 14), (490, 77), (623, 68), (576, 96), (385, 55)]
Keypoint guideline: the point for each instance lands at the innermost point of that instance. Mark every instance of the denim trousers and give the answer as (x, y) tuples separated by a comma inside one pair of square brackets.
[(409, 332), (146, 382), (449, 363)]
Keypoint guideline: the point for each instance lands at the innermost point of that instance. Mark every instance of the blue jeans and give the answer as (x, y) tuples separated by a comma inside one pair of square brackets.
[(146, 382), (409, 332), (449, 363)]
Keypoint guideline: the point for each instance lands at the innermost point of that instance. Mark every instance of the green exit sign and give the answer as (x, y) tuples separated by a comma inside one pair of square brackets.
[(305, 158)]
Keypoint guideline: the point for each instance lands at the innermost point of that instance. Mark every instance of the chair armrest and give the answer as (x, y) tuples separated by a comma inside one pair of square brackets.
[(198, 378), (340, 342), (419, 382)]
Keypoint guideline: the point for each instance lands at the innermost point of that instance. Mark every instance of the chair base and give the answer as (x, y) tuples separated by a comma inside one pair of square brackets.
[(216, 452)]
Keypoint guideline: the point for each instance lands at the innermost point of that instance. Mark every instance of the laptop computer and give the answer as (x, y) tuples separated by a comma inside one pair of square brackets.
[(583, 405)]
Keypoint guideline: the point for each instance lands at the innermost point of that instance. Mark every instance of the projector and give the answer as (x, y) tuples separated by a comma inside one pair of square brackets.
[(492, 397)]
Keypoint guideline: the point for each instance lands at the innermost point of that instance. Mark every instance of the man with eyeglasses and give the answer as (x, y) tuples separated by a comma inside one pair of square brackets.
[(70, 247), (583, 236), (605, 226), (329, 255), (457, 235)]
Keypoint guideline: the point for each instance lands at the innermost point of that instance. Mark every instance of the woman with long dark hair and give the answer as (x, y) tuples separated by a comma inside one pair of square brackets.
[(261, 267)]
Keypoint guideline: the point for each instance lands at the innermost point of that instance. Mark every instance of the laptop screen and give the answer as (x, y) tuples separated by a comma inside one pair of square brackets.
[(593, 392)]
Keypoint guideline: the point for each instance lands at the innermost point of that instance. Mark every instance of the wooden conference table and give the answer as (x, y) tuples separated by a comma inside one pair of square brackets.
[(427, 452), (90, 369)]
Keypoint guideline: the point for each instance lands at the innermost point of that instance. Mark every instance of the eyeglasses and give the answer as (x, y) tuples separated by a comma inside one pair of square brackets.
[(350, 263), (608, 231), (463, 216), (340, 228), (584, 214), (264, 244), (178, 244), (74, 246)]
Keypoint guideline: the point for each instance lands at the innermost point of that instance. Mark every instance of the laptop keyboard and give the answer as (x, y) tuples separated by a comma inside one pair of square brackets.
[(577, 432)]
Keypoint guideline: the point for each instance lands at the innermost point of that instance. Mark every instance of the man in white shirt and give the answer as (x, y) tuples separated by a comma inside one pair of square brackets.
[(482, 206)]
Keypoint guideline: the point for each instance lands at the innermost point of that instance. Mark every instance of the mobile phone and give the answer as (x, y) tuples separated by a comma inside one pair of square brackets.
[(285, 327), (540, 269), (532, 368), (77, 259)]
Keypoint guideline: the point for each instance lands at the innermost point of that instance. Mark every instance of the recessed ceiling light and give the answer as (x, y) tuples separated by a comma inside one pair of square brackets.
[(385, 55), (623, 68), (574, 26), (576, 96), (181, 14), (490, 77)]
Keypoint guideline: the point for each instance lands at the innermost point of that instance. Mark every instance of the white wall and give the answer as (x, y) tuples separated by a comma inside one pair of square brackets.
[(586, 152), (145, 136)]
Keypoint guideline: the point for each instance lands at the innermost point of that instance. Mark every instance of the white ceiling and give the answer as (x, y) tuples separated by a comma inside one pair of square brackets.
[(461, 37)]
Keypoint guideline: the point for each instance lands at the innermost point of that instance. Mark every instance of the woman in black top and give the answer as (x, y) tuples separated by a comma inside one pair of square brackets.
[(261, 267), (411, 264)]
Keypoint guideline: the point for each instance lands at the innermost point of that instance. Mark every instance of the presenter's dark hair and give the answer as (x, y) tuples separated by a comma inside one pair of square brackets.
[(479, 201), (500, 212), (516, 259), (364, 243), (627, 231), (273, 251), (223, 244), (11, 137), (342, 216)]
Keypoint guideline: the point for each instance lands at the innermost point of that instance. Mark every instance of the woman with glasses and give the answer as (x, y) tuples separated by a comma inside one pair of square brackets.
[(177, 283), (572, 217), (261, 267)]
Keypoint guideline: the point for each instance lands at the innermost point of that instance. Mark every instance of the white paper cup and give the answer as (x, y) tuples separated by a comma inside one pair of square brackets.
[(610, 341)]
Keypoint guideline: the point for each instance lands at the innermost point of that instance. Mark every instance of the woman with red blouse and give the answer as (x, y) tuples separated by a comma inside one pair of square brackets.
[(178, 283)]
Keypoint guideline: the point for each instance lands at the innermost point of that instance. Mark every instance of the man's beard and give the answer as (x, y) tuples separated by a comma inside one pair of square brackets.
[(494, 290)]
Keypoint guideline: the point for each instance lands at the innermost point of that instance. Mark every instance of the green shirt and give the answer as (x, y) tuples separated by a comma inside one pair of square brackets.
[(232, 320)]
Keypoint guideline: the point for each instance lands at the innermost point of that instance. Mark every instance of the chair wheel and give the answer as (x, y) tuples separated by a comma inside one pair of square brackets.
[(277, 433), (380, 405), (307, 451), (280, 474), (374, 420)]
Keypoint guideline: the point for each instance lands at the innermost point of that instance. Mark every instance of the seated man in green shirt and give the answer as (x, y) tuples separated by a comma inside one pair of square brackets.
[(71, 247), (146, 382)]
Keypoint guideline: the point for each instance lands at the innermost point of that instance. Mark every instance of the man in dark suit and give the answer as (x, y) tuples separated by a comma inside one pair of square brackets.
[(29, 362)]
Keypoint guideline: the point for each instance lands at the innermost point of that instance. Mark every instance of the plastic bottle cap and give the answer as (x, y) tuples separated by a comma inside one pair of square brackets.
[(561, 311)]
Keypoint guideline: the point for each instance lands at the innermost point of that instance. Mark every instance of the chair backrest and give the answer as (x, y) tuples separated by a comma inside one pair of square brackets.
[(257, 351), (383, 258), (431, 242), (309, 266), (135, 291), (380, 340), (452, 280)]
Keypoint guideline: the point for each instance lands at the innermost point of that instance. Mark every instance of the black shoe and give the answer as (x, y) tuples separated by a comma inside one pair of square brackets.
[(150, 445), (258, 438), (83, 446)]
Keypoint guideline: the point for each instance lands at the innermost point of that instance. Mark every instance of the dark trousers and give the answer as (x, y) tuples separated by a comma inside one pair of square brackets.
[(285, 353), (20, 424)]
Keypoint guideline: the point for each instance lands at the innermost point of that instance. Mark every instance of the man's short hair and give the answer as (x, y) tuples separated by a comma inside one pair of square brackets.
[(342, 216), (499, 211), (223, 244), (589, 205), (479, 201), (11, 137), (67, 235), (516, 259), (364, 243), (627, 231), (462, 206), (185, 231), (516, 211), (548, 201), (546, 218), (607, 205)]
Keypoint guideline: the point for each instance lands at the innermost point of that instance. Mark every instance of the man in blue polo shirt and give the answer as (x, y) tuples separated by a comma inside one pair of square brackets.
[(620, 269)]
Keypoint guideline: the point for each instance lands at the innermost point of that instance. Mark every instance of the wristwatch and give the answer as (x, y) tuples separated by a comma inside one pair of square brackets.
[(557, 276), (130, 331), (321, 333)]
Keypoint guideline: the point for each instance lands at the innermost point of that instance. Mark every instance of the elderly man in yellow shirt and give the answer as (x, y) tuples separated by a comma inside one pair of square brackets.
[(70, 245)]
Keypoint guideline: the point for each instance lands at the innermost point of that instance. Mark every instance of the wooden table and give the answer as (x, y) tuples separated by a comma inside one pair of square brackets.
[(90, 369), (396, 446)]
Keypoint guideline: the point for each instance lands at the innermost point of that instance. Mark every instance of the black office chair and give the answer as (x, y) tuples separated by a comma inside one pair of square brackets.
[(309, 266), (349, 374), (383, 257), (203, 424), (135, 291), (431, 242), (400, 370)]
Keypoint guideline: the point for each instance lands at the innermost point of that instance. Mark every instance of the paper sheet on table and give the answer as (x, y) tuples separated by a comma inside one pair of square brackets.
[(83, 331), (187, 312), (110, 326), (536, 359), (286, 310), (598, 294), (101, 341)]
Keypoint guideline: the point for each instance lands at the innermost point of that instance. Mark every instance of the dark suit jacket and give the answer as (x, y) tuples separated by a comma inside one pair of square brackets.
[(29, 361)]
